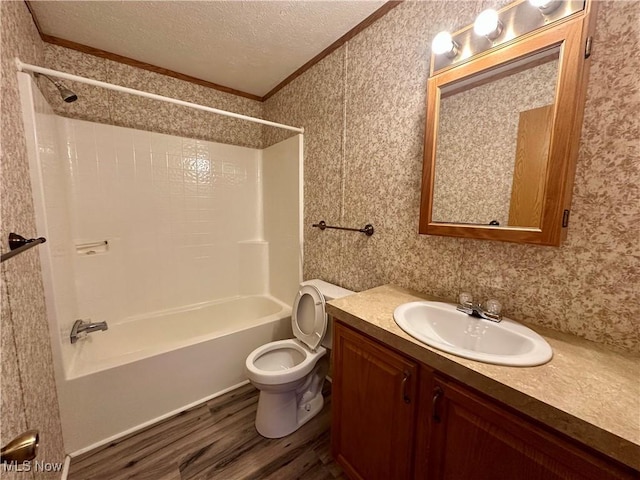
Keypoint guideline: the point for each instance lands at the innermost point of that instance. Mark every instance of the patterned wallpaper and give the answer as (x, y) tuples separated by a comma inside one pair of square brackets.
[(28, 391), (476, 149), (363, 109), (124, 110)]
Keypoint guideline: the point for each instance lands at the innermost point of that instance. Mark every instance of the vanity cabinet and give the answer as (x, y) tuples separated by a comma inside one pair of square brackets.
[(394, 418), (373, 412), (472, 437)]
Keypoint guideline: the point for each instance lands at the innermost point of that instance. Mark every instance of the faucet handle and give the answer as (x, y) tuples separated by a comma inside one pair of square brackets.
[(465, 299), (493, 307)]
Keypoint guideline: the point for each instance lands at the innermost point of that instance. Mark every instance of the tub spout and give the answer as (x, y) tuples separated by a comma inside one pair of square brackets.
[(80, 326)]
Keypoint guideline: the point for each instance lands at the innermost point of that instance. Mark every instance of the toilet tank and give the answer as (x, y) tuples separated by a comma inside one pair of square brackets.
[(330, 292)]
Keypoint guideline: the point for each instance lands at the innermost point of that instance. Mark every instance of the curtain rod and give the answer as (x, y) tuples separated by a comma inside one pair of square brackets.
[(25, 67)]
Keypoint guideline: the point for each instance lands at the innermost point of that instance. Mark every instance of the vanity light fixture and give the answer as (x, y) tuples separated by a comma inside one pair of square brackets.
[(444, 44), (546, 6), (494, 28), (488, 24)]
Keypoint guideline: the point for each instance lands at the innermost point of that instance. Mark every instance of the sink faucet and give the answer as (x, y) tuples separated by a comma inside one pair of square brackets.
[(491, 311), (80, 326)]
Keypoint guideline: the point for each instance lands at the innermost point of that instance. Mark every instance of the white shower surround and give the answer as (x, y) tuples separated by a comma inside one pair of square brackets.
[(203, 259), (174, 211)]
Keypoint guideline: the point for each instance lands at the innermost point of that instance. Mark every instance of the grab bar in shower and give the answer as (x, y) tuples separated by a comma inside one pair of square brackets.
[(92, 248), (367, 230), (19, 244), (92, 244)]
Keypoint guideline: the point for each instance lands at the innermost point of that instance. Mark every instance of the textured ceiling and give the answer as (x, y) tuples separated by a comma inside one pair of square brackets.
[(249, 46)]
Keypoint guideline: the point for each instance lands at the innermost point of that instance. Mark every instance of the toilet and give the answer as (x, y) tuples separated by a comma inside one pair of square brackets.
[(290, 373)]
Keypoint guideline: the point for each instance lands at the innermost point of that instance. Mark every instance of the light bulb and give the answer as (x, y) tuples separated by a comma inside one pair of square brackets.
[(488, 24), (444, 44)]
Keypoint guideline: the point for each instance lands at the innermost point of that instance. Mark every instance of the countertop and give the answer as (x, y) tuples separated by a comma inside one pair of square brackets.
[(586, 391)]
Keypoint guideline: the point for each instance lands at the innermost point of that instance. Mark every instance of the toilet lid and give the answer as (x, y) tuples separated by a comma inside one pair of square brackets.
[(308, 318)]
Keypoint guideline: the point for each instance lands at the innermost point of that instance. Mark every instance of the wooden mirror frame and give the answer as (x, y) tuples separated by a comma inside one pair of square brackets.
[(571, 34)]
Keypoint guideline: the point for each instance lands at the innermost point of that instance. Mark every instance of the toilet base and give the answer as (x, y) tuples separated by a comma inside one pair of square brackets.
[(280, 415), (308, 410)]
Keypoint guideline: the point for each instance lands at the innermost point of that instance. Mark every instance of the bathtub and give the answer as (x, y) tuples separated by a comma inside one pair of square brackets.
[(145, 368)]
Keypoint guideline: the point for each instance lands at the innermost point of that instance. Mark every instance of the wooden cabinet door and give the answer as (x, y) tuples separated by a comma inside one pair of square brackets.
[(474, 439), (374, 403)]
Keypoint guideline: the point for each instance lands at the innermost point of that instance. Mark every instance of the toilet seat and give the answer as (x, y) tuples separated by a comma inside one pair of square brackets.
[(276, 376), (309, 326)]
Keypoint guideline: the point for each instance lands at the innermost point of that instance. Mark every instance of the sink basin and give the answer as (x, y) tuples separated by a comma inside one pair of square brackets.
[(441, 326)]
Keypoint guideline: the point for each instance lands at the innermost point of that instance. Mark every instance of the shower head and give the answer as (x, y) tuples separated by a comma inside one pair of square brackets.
[(66, 94)]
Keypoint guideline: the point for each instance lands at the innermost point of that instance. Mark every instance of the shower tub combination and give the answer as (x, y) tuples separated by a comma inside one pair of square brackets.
[(148, 368), (188, 289)]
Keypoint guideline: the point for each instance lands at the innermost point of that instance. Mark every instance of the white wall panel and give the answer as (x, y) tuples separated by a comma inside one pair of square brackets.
[(173, 211), (282, 193)]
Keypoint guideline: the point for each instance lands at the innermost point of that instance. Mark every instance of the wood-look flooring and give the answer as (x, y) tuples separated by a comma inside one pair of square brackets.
[(215, 440)]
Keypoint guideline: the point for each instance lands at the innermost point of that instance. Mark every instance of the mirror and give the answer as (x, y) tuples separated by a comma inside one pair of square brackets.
[(492, 147), (502, 138)]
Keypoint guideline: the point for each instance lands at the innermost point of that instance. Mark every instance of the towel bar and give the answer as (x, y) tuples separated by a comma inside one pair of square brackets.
[(367, 230), (19, 244)]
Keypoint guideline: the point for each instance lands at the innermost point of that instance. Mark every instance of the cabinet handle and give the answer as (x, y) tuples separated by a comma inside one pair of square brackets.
[(437, 393), (405, 381)]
